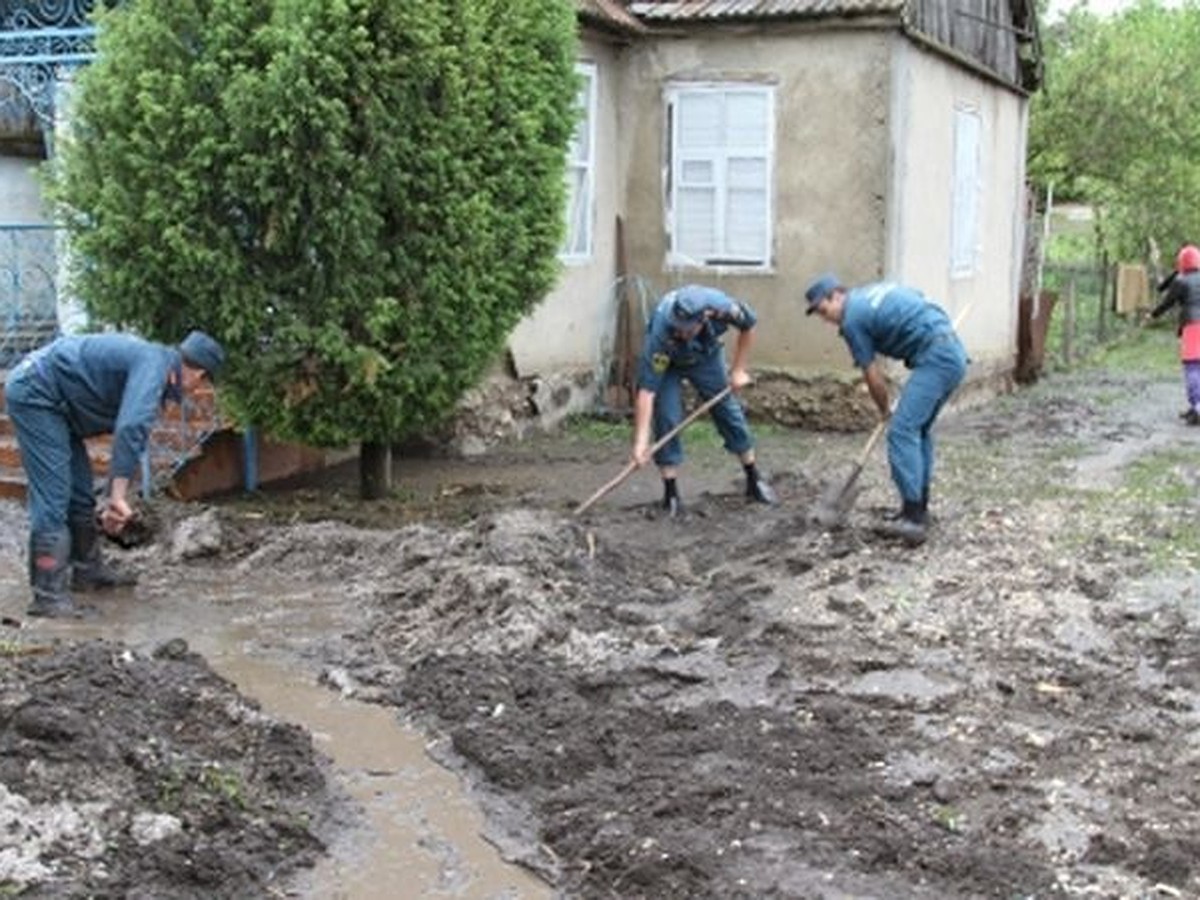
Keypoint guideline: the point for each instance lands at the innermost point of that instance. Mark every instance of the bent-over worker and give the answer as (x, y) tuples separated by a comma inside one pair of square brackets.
[(887, 319), (77, 387), (683, 342)]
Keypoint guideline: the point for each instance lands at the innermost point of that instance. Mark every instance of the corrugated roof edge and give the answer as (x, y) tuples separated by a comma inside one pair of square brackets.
[(609, 14), (713, 10)]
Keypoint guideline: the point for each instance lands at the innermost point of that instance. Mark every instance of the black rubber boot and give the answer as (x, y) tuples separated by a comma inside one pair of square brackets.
[(757, 488), (49, 573), (760, 492), (671, 503), (89, 571), (910, 527)]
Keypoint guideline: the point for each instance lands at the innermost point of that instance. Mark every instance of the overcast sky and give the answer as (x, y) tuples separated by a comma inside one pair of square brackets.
[(1100, 7)]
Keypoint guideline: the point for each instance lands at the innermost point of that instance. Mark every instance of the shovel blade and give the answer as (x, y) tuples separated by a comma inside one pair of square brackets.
[(837, 500)]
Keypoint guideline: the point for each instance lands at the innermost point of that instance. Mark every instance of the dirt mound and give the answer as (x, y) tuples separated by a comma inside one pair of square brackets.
[(742, 705), (126, 775), (736, 704)]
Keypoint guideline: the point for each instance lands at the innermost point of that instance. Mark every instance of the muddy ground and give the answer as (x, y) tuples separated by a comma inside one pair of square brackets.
[(738, 704)]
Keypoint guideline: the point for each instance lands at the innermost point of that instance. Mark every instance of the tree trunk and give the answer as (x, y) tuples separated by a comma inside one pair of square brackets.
[(374, 471)]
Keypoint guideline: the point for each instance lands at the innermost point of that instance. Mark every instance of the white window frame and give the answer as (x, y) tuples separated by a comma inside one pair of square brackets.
[(580, 211), (719, 158), (966, 192)]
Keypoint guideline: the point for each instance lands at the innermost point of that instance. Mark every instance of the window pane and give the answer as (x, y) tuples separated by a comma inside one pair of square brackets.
[(747, 173), (746, 225), (696, 172), (575, 241), (699, 120), (579, 150), (746, 120), (696, 222)]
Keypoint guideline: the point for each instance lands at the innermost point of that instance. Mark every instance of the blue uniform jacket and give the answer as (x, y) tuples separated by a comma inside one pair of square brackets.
[(663, 348), (111, 383), (891, 320)]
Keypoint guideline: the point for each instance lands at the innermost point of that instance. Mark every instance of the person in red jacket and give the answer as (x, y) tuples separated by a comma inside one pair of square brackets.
[(1184, 291)]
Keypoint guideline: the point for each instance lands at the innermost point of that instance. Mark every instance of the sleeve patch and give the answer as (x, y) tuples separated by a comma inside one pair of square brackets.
[(660, 362)]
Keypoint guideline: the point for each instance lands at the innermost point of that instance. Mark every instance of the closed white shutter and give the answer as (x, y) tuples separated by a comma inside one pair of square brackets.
[(964, 231), (719, 201)]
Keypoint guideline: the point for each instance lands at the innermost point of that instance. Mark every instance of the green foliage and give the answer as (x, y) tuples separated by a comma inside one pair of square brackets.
[(1115, 125), (360, 197)]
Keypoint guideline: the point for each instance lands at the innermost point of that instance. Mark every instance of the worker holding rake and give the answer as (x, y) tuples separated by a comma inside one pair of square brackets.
[(683, 342), (886, 319)]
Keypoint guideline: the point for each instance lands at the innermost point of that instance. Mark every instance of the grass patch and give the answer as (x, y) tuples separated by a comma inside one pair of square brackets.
[(1159, 495), (1150, 350), (596, 429), (1163, 489)]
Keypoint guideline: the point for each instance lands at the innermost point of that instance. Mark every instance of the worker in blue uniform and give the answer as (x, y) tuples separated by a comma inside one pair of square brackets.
[(74, 388), (887, 319), (683, 342)]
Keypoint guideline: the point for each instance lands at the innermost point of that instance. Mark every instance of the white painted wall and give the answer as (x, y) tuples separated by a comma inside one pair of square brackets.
[(864, 149), (926, 90), (571, 326)]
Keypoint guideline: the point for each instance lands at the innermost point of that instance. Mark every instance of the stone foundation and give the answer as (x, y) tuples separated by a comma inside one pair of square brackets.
[(507, 408)]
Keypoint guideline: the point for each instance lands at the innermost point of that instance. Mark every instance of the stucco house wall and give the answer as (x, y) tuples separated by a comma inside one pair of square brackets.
[(864, 159), (571, 326), (927, 91), (830, 168)]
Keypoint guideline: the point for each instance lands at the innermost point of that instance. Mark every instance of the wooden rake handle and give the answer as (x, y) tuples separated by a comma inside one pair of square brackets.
[(658, 445)]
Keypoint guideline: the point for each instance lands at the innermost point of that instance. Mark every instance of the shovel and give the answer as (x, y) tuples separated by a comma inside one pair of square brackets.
[(658, 445), (837, 499)]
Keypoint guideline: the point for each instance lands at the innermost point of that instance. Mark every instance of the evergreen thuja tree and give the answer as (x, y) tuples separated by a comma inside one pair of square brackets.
[(360, 197)]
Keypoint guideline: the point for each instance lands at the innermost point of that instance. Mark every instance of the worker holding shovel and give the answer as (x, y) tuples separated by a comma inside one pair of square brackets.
[(886, 319), (683, 341)]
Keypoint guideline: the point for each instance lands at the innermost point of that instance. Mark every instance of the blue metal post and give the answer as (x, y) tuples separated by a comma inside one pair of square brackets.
[(250, 460)]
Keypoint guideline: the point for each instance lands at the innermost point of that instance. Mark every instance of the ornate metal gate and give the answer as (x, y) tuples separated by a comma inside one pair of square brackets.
[(28, 293), (38, 39), (41, 41)]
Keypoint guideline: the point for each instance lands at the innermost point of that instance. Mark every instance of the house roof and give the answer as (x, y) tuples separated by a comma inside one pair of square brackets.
[(610, 14), (715, 10)]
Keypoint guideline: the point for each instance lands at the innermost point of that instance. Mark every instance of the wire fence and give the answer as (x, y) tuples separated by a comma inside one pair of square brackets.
[(1085, 316)]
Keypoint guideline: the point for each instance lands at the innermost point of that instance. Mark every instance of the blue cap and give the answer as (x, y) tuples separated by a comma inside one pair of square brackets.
[(201, 351), (820, 289), (688, 307)]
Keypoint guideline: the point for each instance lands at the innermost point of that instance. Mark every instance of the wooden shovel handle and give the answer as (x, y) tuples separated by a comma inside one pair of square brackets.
[(876, 432), (881, 425), (658, 445)]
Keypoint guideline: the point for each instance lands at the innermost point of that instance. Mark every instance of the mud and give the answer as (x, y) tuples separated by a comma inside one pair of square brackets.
[(131, 775), (742, 704)]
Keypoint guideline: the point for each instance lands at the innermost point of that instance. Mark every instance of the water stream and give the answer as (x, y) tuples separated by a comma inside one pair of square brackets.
[(420, 833)]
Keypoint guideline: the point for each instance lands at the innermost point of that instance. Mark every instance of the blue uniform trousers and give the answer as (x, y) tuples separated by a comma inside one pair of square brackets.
[(57, 467), (937, 370), (708, 377)]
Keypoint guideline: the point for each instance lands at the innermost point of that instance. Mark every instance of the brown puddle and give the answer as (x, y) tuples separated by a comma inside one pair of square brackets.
[(420, 833)]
